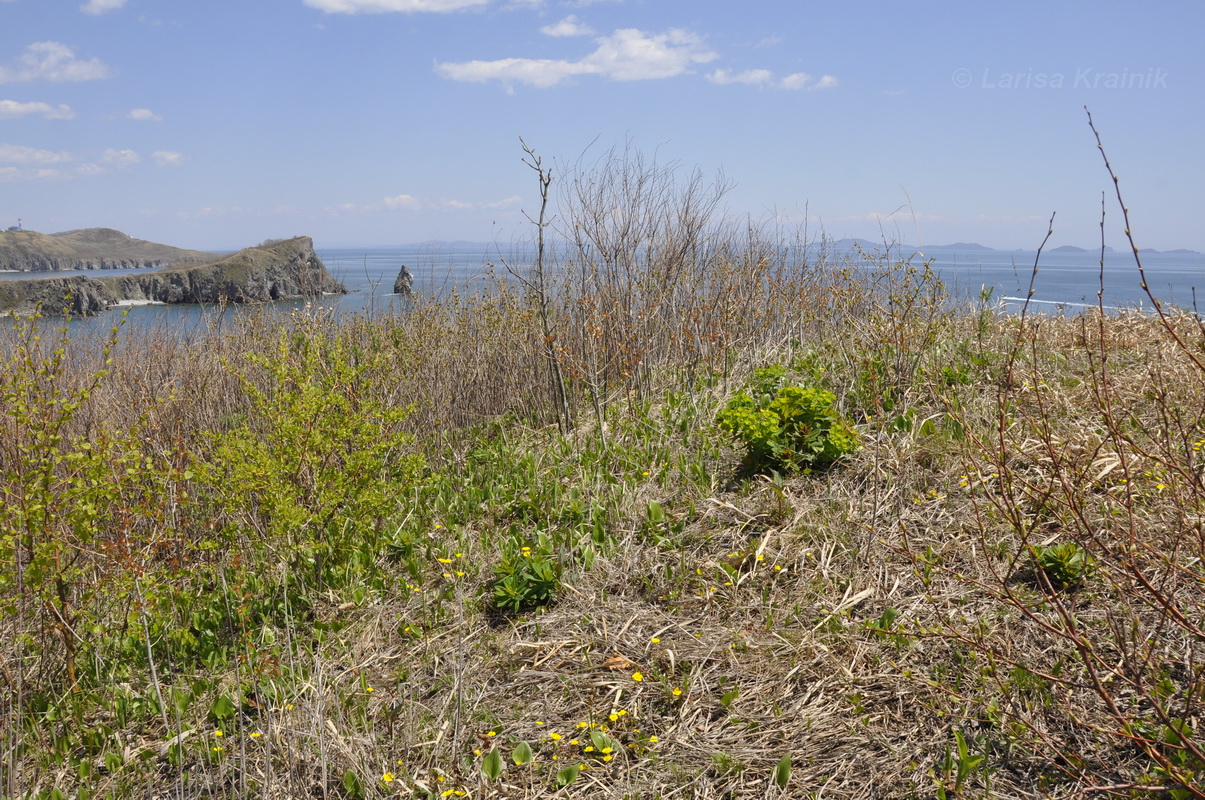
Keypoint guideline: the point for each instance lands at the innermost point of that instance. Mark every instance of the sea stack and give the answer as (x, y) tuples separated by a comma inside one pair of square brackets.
[(404, 285)]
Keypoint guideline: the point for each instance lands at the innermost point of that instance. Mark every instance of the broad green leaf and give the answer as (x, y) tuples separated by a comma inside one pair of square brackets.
[(782, 772), (491, 765), (223, 708), (522, 754), (568, 775)]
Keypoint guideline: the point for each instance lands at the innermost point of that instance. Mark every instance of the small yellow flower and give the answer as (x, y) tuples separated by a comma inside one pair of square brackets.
[(219, 734), (574, 742), (217, 748), (637, 676), (459, 555), (605, 751), (677, 692), (656, 640), (256, 735), (539, 722), (621, 712), (288, 706), (589, 749), (387, 777), (556, 737), (607, 758), (653, 739), (613, 717), (368, 689), (491, 733)]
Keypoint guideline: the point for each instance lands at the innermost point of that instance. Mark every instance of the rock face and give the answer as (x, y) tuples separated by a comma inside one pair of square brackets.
[(287, 269), (90, 248), (404, 284)]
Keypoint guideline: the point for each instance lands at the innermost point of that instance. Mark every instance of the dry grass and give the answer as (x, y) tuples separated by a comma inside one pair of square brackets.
[(855, 620)]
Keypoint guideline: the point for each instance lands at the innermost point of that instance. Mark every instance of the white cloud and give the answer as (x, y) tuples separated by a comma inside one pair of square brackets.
[(752, 77), (405, 201), (385, 6), (506, 202), (101, 6), (11, 109), (53, 61), (19, 154), (764, 77), (168, 158), (796, 80), (569, 26), (121, 158), (626, 55), (144, 115), (15, 174)]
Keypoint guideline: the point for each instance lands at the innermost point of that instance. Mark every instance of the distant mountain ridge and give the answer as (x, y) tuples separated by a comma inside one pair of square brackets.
[(870, 246), (88, 249)]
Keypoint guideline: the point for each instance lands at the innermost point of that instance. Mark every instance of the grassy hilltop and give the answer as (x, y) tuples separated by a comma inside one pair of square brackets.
[(615, 528)]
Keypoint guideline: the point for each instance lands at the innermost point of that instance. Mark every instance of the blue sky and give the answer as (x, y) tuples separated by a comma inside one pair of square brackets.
[(218, 124)]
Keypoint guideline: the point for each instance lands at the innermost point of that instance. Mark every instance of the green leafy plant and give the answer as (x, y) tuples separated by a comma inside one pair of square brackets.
[(525, 578), (1065, 565), (787, 428)]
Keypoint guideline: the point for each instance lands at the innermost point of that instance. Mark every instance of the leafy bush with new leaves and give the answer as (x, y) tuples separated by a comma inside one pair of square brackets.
[(787, 428)]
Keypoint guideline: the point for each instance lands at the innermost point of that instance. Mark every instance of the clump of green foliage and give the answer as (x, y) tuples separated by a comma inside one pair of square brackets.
[(526, 578), (1064, 565), (787, 428)]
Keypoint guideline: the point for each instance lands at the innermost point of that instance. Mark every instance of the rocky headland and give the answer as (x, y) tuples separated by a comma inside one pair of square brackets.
[(276, 271), (88, 249)]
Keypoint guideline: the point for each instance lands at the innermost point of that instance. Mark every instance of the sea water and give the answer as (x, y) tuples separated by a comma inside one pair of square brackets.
[(1065, 282)]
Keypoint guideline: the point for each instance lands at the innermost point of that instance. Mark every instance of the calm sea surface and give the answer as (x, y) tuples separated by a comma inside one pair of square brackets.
[(1064, 281)]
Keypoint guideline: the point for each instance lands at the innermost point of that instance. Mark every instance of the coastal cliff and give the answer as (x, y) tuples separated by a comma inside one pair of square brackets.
[(88, 249), (278, 271)]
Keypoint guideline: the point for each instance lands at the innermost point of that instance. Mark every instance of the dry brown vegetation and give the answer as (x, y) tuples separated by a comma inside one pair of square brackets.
[(263, 562)]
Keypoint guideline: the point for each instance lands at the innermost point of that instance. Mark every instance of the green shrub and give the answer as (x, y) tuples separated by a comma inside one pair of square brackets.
[(320, 460), (787, 428)]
